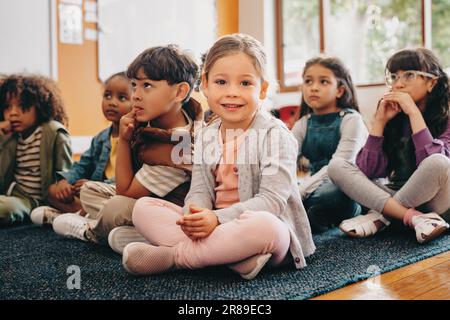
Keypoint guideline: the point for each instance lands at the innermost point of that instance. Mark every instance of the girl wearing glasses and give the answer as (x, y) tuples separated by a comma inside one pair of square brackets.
[(409, 146)]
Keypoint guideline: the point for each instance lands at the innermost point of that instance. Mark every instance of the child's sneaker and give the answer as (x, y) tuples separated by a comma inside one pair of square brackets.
[(71, 225), (145, 259), (365, 225), (428, 226), (250, 267), (44, 215), (119, 237)]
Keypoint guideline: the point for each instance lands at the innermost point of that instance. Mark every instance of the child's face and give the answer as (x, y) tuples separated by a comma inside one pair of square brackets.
[(233, 89), (320, 89), (116, 99), (152, 99), (417, 87), (19, 120)]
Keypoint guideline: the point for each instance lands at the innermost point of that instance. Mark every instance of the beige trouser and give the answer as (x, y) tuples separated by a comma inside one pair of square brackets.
[(100, 201)]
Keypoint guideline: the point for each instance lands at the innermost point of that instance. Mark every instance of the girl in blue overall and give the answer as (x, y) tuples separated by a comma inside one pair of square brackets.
[(330, 126)]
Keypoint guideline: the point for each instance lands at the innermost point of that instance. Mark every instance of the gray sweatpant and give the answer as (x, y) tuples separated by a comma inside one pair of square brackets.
[(429, 186), (109, 210)]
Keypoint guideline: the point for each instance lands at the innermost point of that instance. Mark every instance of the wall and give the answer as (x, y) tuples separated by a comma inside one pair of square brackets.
[(26, 38)]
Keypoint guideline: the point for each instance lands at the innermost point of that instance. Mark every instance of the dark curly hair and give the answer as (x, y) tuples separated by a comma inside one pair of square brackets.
[(343, 77), (33, 90), (436, 112)]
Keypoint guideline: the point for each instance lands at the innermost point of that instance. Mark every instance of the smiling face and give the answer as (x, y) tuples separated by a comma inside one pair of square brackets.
[(152, 99), (234, 88), (320, 89), (116, 99), (21, 121)]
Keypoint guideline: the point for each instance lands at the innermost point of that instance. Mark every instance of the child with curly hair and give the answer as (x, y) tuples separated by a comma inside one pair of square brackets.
[(34, 144)]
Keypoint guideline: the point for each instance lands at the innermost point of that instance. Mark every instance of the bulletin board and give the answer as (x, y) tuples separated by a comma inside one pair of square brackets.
[(127, 27)]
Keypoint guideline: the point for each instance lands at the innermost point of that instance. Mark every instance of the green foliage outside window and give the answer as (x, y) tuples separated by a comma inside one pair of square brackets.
[(387, 26)]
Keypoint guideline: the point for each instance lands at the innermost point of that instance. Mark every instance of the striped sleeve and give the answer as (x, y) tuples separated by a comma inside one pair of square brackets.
[(161, 180)]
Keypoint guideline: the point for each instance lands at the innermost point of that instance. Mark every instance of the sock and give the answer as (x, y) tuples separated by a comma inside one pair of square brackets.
[(410, 213)]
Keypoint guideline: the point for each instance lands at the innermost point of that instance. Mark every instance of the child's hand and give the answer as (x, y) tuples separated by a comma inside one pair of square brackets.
[(403, 100), (64, 192), (386, 111), (5, 127), (199, 224), (127, 125), (77, 186)]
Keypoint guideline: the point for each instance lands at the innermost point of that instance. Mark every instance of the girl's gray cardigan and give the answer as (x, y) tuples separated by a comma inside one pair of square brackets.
[(267, 179)]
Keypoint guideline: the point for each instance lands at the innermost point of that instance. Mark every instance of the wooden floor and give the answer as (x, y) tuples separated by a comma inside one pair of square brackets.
[(425, 280)]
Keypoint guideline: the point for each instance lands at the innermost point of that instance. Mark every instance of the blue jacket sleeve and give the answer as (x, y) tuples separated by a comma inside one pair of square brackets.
[(84, 168)]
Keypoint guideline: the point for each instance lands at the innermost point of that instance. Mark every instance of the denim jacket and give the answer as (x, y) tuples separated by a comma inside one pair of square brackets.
[(93, 161)]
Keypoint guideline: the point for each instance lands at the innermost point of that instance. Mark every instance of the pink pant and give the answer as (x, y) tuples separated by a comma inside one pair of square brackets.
[(252, 233)]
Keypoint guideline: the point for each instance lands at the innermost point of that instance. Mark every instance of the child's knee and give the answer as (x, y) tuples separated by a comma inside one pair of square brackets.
[(335, 167), (266, 225), (140, 209), (438, 164), (145, 206), (118, 208), (88, 186)]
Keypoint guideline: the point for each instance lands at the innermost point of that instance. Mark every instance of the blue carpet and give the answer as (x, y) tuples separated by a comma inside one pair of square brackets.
[(34, 262)]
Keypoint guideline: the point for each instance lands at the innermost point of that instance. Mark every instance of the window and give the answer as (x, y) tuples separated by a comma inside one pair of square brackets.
[(301, 37), (440, 17), (363, 34)]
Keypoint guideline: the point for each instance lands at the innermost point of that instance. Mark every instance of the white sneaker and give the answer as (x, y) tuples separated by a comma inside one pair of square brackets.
[(428, 226), (71, 225), (44, 215), (119, 237), (364, 225)]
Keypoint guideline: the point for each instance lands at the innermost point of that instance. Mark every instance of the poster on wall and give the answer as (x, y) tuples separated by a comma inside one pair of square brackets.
[(70, 23)]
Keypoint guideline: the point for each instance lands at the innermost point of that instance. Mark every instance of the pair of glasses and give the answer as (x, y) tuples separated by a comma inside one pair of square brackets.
[(407, 76)]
